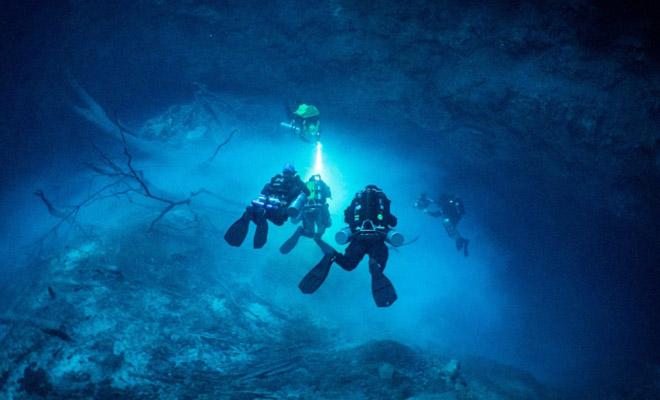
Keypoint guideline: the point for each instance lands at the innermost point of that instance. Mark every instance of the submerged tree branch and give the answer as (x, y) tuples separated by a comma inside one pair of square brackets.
[(121, 177), (52, 210), (222, 145), (124, 180), (92, 111)]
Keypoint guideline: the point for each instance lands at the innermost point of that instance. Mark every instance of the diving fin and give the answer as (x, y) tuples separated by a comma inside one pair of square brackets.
[(382, 289), (237, 232), (462, 244), (291, 242), (317, 275), (261, 235), (327, 249)]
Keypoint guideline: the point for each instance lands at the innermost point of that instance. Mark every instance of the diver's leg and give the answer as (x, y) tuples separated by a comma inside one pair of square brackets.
[(380, 253), (462, 244), (452, 231), (291, 242), (308, 223), (261, 235), (325, 216), (316, 276), (321, 222), (450, 228), (325, 247), (320, 230), (381, 287), (352, 256)]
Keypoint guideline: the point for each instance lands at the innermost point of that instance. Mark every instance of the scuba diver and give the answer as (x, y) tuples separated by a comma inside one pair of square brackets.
[(304, 122), (315, 215), (451, 209), (369, 227), (281, 198)]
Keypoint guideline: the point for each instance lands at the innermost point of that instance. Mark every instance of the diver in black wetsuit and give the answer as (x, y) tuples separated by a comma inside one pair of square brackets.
[(315, 215), (281, 198), (450, 209), (370, 225)]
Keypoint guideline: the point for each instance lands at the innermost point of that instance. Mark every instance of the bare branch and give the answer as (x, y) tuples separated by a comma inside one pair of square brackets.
[(52, 210), (221, 145), (91, 110), (124, 180)]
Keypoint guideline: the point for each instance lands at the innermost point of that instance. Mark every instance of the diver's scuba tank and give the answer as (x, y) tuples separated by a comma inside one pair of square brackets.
[(297, 205), (295, 220), (343, 236), (394, 238)]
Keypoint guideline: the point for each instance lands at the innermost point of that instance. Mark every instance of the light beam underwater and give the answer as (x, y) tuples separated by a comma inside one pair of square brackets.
[(318, 160)]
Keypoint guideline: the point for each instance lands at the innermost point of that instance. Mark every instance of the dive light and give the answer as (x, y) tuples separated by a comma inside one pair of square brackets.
[(292, 126)]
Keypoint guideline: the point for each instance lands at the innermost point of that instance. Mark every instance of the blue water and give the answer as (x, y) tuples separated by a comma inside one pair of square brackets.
[(556, 282)]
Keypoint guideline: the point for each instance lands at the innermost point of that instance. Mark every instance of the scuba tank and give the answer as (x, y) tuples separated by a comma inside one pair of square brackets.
[(297, 205), (343, 236), (394, 238)]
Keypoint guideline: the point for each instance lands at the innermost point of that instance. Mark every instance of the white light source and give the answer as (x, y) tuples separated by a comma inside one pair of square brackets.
[(318, 162)]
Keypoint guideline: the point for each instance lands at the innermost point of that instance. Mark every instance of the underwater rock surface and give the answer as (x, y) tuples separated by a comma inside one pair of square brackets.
[(133, 316)]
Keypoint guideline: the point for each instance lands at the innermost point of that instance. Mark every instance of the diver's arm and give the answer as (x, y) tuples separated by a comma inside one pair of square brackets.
[(267, 188), (289, 113), (303, 187), (435, 214), (328, 192), (392, 220), (349, 213)]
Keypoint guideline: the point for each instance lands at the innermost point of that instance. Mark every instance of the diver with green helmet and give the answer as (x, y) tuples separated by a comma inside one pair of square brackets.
[(281, 198), (304, 122), (370, 224), (315, 215)]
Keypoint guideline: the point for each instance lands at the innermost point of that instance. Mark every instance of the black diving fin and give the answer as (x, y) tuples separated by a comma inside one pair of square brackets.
[(317, 275), (261, 235), (291, 242), (326, 248), (382, 289), (237, 232)]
